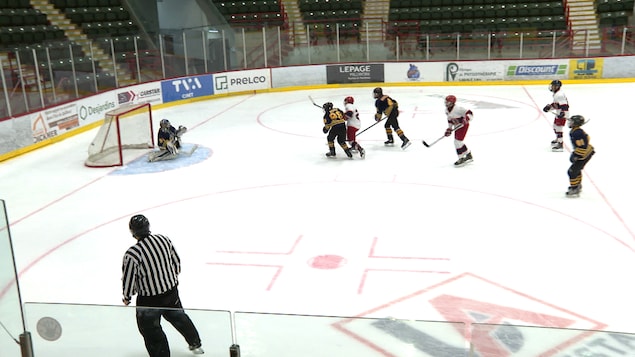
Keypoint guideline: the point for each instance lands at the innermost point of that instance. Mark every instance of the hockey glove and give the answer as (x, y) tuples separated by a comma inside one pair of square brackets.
[(448, 132), (181, 131), (377, 116), (561, 115), (546, 108), (325, 130)]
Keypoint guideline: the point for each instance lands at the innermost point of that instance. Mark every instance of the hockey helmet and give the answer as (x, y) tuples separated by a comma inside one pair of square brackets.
[(349, 100), (450, 101), (327, 106), (576, 121), (139, 226), (164, 123), (378, 92), (555, 85)]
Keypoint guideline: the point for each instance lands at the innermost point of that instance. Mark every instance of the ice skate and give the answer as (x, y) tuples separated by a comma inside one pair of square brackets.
[(464, 160), (197, 350), (330, 155), (557, 147), (554, 142), (405, 144), (348, 153), (389, 142), (362, 152), (573, 191)]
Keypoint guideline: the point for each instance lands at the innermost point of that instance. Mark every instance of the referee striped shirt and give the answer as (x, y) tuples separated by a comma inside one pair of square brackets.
[(150, 267)]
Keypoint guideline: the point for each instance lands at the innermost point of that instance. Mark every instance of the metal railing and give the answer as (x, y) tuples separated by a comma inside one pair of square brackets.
[(37, 76)]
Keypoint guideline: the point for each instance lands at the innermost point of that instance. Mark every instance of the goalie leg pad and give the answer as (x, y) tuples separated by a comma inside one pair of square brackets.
[(161, 156), (172, 148)]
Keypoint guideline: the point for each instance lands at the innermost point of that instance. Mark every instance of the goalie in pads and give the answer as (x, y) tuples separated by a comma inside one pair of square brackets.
[(169, 141)]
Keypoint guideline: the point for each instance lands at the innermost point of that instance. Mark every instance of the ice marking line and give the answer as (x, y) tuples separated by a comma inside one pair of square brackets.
[(611, 207), (371, 254), (108, 172), (30, 265), (295, 244), (362, 282), (273, 279)]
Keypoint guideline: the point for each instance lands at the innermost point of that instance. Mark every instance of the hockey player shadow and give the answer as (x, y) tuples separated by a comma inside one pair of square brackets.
[(189, 154)]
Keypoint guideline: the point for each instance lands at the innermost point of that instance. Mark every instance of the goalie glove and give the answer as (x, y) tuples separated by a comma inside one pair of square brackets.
[(182, 130)]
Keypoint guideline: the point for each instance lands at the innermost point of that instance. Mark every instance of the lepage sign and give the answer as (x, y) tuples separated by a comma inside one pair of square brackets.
[(355, 73)]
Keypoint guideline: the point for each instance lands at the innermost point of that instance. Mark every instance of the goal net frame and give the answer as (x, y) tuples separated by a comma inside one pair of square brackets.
[(127, 127)]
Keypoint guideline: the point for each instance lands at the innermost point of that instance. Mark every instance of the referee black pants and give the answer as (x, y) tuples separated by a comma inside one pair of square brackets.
[(150, 309)]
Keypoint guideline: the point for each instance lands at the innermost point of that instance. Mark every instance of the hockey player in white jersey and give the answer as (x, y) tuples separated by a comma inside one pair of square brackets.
[(458, 122), (353, 123), (560, 108)]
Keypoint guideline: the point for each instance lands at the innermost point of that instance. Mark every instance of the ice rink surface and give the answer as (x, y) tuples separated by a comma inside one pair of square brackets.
[(264, 222)]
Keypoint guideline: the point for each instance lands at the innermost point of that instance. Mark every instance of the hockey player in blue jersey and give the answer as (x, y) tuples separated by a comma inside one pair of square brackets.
[(581, 153), (168, 140), (385, 105)]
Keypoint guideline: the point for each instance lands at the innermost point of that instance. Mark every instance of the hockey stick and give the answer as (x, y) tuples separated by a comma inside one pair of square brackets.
[(312, 101), (189, 153), (377, 122), (439, 139)]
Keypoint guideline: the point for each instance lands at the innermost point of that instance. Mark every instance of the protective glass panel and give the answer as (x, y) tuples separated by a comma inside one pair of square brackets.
[(274, 335), (62, 330), (10, 313)]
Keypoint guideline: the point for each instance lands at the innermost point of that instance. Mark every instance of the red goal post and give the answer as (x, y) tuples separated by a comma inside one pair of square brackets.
[(125, 130)]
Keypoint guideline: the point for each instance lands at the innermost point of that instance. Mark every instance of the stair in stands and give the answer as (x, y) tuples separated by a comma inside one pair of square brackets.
[(294, 17), (74, 34), (374, 15), (584, 26)]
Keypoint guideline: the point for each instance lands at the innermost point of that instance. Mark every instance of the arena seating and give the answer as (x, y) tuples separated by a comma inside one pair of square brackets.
[(98, 18), (251, 13), (614, 12), (452, 16), (322, 15), (21, 24)]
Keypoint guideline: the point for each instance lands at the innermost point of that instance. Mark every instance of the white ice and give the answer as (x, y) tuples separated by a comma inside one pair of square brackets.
[(259, 215)]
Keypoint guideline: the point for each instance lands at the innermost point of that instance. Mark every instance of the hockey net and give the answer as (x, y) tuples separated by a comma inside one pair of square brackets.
[(125, 128)]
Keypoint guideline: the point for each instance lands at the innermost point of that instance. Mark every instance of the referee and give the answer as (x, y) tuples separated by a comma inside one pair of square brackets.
[(150, 270)]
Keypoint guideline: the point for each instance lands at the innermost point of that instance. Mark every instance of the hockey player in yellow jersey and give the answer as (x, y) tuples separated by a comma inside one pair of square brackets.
[(385, 105), (335, 127)]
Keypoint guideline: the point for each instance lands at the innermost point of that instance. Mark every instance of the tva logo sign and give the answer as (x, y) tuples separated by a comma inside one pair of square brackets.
[(187, 87)]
